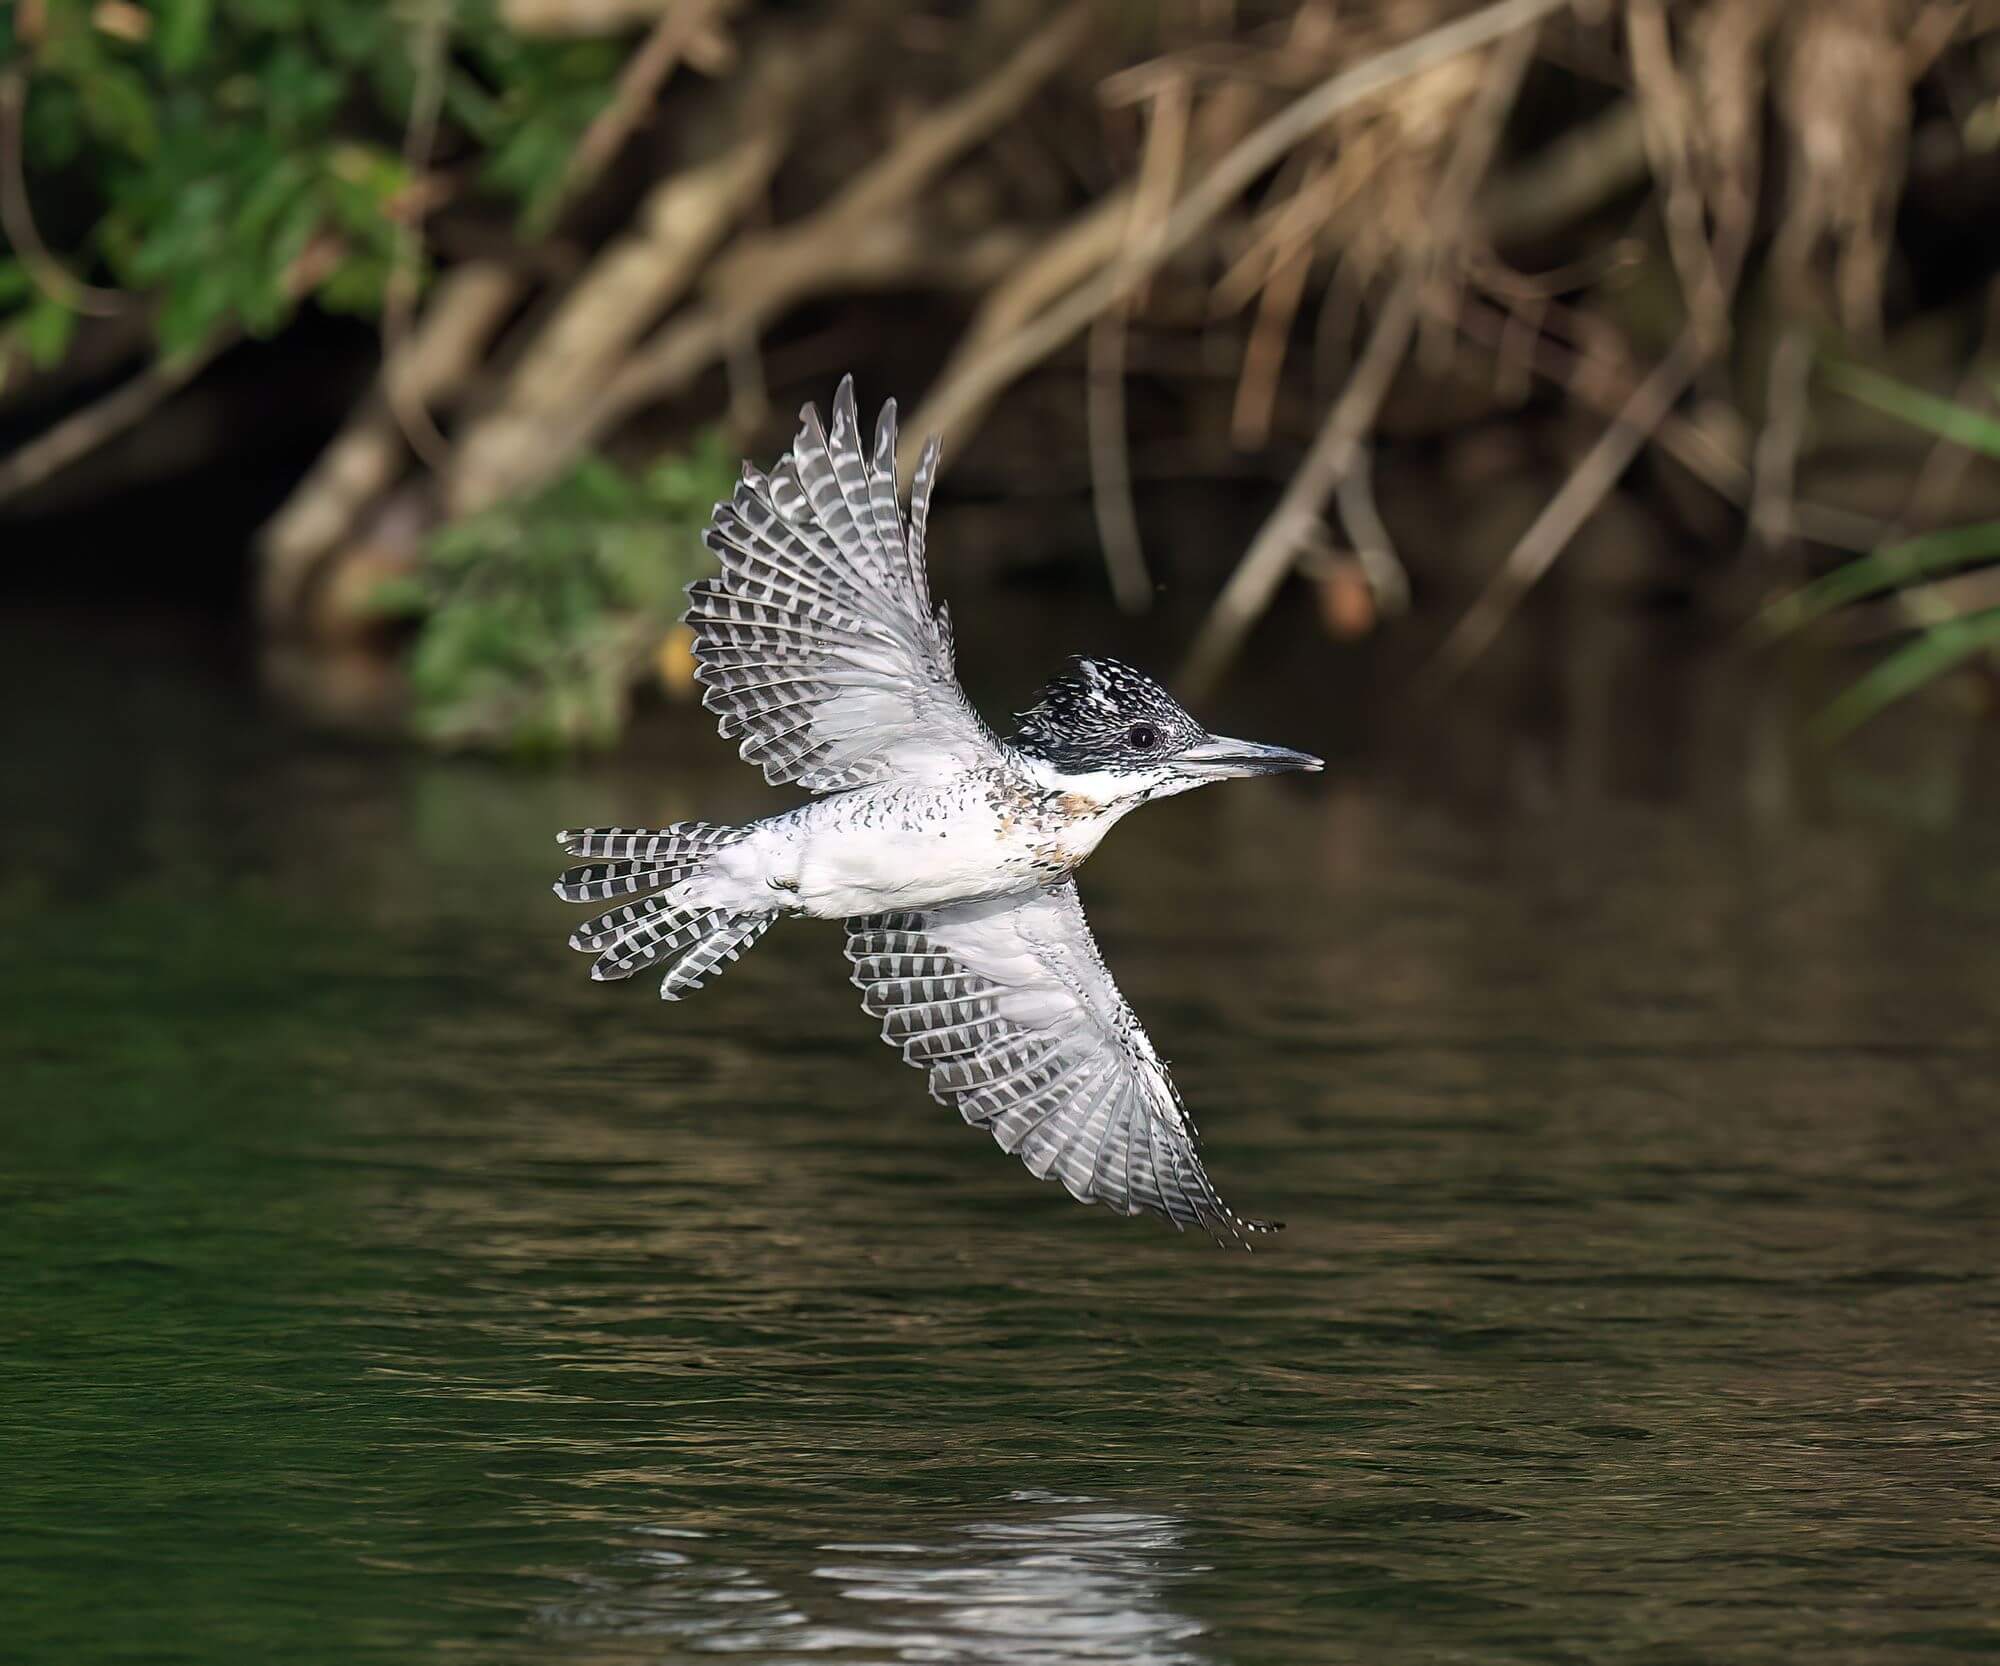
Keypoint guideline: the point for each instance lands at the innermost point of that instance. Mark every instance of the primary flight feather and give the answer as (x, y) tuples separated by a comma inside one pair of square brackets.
[(948, 850)]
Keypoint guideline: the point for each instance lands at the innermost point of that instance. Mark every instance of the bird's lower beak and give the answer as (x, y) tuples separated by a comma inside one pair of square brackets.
[(1218, 757)]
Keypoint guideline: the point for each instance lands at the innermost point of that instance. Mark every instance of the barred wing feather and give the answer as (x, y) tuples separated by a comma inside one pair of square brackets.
[(1008, 1006), (817, 646)]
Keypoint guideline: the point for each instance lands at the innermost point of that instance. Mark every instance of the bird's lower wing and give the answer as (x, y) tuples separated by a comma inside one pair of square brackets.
[(1009, 1008), (816, 645)]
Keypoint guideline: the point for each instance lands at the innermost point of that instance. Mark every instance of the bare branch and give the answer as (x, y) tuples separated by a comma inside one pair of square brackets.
[(580, 17), (870, 234), (1334, 452), (17, 217), (978, 380), (1590, 482), (672, 39), (368, 455), (591, 332), (1255, 581), (429, 38), (104, 419), (1111, 466), (1606, 388), (1776, 458), (1065, 258)]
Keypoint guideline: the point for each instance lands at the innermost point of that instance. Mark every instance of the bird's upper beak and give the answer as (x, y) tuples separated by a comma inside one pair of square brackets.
[(1218, 757)]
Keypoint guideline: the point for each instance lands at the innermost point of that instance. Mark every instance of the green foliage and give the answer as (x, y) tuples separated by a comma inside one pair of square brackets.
[(1889, 568), (1962, 425), (1946, 639), (198, 151), (538, 615), (1936, 650)]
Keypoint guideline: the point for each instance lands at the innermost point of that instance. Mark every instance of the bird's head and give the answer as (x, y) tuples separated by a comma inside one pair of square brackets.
[(1113, 735)]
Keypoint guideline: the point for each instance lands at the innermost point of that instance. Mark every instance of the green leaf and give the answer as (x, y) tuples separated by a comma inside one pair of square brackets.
[(15, 284), (356, 35), (277, 15), (1888, 568), (183, 33), (118, 109), (193, 306), (53, 124), (1937, 651), (1960, 424), (46, 328), (539, 612), (403, 597)]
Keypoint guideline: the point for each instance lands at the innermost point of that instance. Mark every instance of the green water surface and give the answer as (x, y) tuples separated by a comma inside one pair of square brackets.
[(373, 1287)]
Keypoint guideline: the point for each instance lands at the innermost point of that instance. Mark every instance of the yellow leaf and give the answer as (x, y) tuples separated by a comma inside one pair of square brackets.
[(673, 661)]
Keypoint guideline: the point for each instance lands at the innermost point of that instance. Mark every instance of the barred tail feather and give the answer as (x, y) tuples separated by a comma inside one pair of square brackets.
[(604, 881), (726, 937), (675, 923), (682, 842)]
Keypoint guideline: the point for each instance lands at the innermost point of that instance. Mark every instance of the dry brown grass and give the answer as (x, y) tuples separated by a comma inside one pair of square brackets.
[(1175, 196)]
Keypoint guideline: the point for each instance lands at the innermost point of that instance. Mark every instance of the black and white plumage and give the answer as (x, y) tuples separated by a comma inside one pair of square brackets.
[(948, 850)]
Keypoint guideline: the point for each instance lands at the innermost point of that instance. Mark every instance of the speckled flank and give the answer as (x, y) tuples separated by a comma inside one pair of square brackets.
[(988, 833)]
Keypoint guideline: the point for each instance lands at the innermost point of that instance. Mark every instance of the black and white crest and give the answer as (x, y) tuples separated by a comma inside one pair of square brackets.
[(1101, 714)]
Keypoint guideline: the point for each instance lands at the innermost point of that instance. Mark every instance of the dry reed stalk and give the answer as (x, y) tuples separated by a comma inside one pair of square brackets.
[(1160, 170), (691, 32), (1065, 258), (1775, 462), (1594, 378), (978, 378), (1844, 97), (1111, 465), (1264, 355), (1667, 122), (1592, 479), (1111, 502), (1335, 451)]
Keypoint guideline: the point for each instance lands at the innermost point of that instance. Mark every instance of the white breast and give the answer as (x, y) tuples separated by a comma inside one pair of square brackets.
[(878, 849)]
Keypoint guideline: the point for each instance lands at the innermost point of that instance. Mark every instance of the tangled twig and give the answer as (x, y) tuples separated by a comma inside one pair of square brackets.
[(977, 380), (1337, 448), (17, 217)]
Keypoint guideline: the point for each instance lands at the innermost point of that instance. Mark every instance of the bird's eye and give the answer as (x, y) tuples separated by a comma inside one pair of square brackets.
[(1143, 736)]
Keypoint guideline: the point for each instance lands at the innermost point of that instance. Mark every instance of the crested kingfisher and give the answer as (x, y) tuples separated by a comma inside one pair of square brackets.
[(949, 851)]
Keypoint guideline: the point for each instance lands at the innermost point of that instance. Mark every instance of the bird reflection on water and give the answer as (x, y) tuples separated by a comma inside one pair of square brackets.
[(1043, 1577)]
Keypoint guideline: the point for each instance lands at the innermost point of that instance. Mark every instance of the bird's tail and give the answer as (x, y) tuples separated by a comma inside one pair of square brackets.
[(651, 873)]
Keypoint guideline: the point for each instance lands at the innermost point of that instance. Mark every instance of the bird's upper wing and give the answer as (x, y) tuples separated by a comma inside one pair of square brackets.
[(1008, 1006), (818, 645)]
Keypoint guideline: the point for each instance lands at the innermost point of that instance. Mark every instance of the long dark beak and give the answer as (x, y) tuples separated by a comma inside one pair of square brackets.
[(1218, 757)]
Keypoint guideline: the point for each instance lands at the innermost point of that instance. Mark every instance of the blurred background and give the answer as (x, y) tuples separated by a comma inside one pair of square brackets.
[(1578, 419), (413, 340)]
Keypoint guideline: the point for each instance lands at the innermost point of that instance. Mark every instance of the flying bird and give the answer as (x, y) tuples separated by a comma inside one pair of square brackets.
[(949, 851)]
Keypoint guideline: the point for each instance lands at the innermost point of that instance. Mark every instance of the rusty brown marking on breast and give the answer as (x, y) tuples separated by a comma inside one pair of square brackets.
[(1050, 858)]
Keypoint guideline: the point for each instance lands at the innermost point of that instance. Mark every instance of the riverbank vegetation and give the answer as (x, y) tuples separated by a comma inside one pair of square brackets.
[(1734, 258)]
